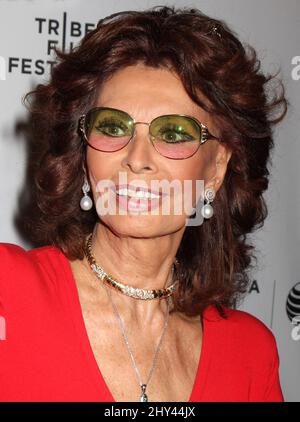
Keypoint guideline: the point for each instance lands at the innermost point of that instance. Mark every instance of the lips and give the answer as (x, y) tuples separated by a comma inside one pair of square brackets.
[(137, 189)]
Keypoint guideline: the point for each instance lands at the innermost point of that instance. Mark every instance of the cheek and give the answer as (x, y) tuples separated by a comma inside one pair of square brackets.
[(100, 174), (198, 171), (98, 166), (190, 170), (189, 173)]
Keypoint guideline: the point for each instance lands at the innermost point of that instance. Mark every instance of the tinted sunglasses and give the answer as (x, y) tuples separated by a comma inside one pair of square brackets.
[(174, 136)]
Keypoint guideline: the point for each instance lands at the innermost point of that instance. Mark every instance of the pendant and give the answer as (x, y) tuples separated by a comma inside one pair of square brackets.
[(144, 396)]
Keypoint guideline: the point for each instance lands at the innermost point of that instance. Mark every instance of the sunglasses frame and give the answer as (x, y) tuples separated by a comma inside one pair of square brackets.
[(205, 134)]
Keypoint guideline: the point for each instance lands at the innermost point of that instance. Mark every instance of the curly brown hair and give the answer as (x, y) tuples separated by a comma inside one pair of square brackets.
[(227, 73)]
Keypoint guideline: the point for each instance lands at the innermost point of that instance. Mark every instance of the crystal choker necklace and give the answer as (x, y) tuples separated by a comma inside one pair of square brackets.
[(134, 292)]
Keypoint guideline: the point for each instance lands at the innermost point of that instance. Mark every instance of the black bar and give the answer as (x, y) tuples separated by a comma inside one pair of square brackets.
[(134, 410)]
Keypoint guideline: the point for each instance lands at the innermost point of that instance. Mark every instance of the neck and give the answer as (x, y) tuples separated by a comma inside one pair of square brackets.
[(141, 263)]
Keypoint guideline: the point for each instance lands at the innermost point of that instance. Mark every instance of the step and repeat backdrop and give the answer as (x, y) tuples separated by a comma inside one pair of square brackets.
[(29, 31)]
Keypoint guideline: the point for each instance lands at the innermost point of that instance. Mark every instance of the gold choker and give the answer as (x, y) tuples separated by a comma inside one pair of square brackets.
[(125, 289)]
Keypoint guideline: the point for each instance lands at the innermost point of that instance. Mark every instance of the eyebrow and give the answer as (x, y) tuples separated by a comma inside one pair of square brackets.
[(158, 115)]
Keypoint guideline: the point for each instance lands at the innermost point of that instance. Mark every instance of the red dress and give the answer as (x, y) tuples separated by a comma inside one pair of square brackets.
[(46, 354)]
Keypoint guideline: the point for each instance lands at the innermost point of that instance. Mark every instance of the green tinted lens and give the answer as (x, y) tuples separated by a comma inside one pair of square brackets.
[(108, 129), (175, 136)]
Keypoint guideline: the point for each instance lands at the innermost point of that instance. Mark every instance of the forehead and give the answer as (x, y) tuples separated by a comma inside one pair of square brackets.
[(147, 92)]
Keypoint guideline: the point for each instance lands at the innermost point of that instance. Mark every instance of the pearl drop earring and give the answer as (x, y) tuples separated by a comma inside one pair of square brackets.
[(86, 202), (207, 210)]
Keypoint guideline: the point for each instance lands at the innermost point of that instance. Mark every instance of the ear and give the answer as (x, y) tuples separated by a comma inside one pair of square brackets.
[(223, 154)]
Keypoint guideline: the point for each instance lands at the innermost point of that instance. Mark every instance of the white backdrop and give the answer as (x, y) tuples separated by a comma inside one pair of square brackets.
[(28, 31)]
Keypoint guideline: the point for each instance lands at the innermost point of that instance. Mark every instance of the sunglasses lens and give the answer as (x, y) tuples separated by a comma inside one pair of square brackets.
[(108, 130), (175, 136)]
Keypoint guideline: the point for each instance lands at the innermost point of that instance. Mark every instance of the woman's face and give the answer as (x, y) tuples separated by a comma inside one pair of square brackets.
[(146, 93)]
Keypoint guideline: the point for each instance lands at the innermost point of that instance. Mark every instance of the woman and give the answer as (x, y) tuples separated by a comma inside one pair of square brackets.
[(140, 304)]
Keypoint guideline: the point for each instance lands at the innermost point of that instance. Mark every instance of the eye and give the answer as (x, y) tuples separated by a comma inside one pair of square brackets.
[(174, 134), (112, 127)]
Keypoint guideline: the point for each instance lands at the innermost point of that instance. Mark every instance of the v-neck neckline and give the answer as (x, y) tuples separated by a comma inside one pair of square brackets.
[(104, 391)]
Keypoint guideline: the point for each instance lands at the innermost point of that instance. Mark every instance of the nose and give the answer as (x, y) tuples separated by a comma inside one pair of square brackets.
[(139, 153)]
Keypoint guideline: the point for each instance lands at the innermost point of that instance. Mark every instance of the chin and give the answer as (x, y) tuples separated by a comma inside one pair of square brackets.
[(143, 225)]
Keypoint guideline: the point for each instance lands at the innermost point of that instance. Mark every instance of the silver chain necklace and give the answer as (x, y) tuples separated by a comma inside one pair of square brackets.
[(164, 293), (143, 397)]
